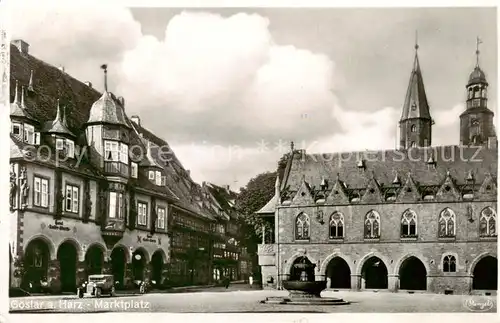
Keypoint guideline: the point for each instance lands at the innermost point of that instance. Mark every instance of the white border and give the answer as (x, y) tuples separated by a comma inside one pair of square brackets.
[(289, 318)]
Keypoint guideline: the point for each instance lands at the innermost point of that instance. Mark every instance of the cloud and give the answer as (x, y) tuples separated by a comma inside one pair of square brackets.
[(217, 87), (228, 74)]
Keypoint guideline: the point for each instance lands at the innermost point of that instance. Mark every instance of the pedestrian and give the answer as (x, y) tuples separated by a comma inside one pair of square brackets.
[(226, 282), (250, 280)]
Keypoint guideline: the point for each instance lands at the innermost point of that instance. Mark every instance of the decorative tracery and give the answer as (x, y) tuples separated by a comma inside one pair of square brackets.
[(488, 222), (447, 223), (372, 225), (336, 225), (302, 226), (409, 224)]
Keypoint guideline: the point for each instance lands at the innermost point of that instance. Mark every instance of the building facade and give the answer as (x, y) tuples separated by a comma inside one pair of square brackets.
[(418, 218), (90, 191)]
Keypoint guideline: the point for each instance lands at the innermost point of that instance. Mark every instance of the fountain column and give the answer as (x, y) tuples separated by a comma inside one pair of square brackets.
[(355, 282)]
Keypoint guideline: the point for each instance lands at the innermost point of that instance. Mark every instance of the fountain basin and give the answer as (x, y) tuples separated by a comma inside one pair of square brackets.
[(304, 289)]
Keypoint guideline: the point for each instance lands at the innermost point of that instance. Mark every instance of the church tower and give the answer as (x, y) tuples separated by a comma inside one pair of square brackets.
[(476, 122), (416, 122)]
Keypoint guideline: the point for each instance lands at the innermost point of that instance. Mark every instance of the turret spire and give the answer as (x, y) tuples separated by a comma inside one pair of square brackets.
[(22, 97), (16, 96), (58, 115), (478, 42), (105, 68), (30, 84)]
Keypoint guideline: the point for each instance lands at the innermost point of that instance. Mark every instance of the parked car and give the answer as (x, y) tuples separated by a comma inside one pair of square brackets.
[(97, 285)]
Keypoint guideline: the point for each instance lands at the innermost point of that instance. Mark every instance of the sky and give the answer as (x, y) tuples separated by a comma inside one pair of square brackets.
[(230, 88)]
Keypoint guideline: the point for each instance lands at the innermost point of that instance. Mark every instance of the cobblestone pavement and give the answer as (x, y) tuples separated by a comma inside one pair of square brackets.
[(219, 300)]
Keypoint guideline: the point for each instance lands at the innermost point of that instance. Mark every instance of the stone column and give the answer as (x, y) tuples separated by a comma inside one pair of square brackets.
[(355, 282), (81, 274), (263, 234), (393, 282), (54, 276), (129, 276)]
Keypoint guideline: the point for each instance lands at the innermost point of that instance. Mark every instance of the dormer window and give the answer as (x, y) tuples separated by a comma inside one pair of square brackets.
[(59, 144), (70, 148), (16, 128), (158, 178), (67, 146), (133, 170), (29, 134), (163, 181), (151, 175)]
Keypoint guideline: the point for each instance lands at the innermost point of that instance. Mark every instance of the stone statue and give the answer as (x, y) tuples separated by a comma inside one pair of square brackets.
[(24, 188), (13, 188)]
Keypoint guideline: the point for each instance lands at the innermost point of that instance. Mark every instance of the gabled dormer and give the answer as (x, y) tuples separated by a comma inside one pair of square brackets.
[(373, 193), (304, 194), (410, 191), (23, 124), (338, 194), (57, 133), (448, 190), (151, 168)]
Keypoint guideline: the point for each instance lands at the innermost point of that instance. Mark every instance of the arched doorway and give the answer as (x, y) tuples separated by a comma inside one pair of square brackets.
[(67, 255), (338, 273), (118, 263), (36, 264), (374, 274), (157, 267), (485, 274), (138, 264), (94, 260), (297, 273), (412, 274)]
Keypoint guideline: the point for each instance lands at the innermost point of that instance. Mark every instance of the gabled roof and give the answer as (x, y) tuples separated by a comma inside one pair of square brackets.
[(384, 165), (223, 197), (415, 104)]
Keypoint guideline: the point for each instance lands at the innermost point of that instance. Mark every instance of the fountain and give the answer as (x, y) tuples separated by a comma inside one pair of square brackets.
[(303, 289)]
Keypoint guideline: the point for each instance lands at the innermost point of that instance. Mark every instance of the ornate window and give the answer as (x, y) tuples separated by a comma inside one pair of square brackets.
[(372, 225), (336, 225), (413, 128), (449, 264), (142, 212), (447, 223), (160, 221), (413, 144), (488, 222), (409, 224), (116, 205), (302, 227), (72, 198), (41, 192)]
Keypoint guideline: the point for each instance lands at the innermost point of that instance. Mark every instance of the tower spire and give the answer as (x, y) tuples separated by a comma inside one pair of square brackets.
[(22, 97), (478, 42), (58, 115), (416, 65)]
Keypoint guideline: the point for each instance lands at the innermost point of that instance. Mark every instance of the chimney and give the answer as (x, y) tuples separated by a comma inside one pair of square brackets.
[(61, 68), (135, 119), (89, 84), (492, 143), (188, 172), (227, 187), (21, 45)]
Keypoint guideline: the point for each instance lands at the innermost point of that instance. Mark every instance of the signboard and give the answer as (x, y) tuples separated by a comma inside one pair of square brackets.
[(59, 225), (148, 238)]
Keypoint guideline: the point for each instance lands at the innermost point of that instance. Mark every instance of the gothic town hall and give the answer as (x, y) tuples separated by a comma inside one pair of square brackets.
[(417, 218)]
